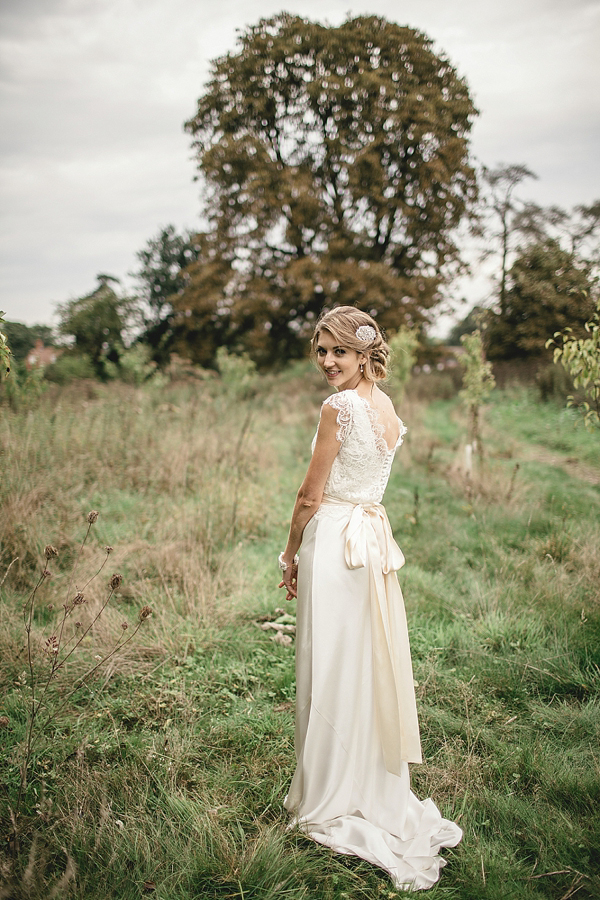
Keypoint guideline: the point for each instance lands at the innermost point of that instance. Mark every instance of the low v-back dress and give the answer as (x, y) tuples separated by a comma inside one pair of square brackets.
[(356, 718)]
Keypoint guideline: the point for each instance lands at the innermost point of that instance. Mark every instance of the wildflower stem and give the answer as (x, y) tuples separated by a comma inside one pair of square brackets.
[(73, 570), (85, 632), (69, 609), (77, 558), (60, 634), (56, 665), (83, 678), (95, 575), (10, 565)]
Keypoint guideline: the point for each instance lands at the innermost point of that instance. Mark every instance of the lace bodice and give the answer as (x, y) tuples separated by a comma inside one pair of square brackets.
[(361, 469)]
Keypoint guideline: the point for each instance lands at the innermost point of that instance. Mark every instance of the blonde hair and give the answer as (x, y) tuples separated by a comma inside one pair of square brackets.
[(342, 323)]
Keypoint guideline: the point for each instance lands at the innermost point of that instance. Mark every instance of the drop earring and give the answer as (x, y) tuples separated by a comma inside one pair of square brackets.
[(362, 368)]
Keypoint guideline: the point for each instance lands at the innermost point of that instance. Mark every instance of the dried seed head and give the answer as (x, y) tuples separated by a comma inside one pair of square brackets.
[(115, 581), (50, 552), (77, 624), (108, 550), (78, 599), (145, 612), (4, 720), (51, 645), (124, 626), (50, 607), (46, 573), (92, 516)]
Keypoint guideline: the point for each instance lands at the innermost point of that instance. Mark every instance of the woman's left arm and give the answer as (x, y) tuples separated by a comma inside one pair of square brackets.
[(310, 493)]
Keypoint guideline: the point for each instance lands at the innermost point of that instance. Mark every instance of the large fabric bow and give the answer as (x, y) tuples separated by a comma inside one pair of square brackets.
[(369, 532)]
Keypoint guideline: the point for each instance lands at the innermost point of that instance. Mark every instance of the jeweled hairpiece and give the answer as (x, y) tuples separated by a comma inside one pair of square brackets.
[(366, 333)]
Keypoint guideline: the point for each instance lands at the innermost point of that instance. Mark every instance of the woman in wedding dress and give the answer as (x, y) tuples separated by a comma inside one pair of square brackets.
[(356, 719)]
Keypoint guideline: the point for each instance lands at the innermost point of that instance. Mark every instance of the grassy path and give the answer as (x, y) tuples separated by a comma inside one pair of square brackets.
[(166, 779)]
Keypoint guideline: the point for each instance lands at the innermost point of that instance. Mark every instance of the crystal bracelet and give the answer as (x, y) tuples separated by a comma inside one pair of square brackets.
[(283, 565)]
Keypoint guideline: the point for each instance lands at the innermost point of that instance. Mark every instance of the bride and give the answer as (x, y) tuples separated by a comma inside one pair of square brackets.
[(356, 719)]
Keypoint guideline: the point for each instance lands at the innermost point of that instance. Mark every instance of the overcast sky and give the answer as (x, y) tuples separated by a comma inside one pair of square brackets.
[(94, 93)]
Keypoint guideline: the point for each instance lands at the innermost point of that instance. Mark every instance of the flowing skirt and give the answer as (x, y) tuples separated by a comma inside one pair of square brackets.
[(350, 613)]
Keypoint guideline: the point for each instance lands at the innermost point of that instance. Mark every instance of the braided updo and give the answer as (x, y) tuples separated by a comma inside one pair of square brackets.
[(342, 323)]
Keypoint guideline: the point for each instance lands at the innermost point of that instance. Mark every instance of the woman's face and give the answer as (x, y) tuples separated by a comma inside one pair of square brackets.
[(341, 365)]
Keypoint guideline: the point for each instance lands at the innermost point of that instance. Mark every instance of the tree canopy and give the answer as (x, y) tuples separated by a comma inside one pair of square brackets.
[(548, 268), (335, 169), (161, 276), (97, 322), (550, 290)]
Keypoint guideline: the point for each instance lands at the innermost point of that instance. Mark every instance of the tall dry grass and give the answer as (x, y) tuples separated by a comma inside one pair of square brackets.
[(121, 452)]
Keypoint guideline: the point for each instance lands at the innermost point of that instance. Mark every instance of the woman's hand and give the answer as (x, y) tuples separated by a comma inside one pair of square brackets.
[(289, 580)]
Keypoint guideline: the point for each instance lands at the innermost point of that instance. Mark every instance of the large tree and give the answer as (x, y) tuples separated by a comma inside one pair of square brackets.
[(335, 166)]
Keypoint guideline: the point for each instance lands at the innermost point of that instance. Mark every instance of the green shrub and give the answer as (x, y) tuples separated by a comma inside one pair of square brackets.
[(238, 374), (70, 366), (136, 365), (22, 388)]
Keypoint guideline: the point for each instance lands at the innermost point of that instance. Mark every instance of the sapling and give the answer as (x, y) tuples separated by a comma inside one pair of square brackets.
[(581, 358), (404, 354), (478, 383)]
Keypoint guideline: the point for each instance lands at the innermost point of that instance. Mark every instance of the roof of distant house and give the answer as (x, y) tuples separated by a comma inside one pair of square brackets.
[(41, 355)]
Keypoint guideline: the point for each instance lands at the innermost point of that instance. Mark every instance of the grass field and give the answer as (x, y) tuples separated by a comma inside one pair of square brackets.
[(164, 775)]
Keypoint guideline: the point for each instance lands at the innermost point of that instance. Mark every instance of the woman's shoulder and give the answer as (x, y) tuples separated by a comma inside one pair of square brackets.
[(337, 412), (385, 402), (340, 400)]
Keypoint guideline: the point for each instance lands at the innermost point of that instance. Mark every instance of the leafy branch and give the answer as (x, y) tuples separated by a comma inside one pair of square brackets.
[(5, 352), (581, 358)]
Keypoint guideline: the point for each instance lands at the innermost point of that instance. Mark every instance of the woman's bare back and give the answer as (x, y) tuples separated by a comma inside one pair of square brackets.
[(386, 415)]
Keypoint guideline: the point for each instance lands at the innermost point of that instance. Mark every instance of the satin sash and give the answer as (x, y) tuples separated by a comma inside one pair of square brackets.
[(369, 542)]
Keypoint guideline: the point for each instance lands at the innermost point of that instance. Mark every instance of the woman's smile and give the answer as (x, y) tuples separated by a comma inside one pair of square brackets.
[(341, 365)]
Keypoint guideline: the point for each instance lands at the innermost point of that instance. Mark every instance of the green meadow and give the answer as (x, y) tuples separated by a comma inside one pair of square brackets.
[(163, 774)]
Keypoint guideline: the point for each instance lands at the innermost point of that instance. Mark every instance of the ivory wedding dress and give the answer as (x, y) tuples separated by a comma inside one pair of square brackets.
[(356, 719)]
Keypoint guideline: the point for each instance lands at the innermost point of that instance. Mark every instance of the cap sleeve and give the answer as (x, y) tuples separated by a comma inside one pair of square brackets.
[(403, 430), (342, 403)]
